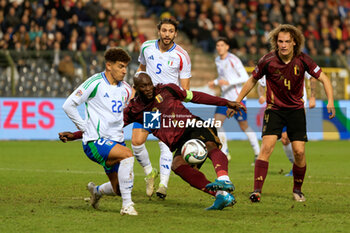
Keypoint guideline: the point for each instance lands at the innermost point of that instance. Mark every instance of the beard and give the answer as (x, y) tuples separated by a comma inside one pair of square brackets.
[(169, 43)]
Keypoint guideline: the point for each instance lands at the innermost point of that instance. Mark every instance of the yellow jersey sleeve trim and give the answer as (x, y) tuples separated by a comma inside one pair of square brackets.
[(189, 96)]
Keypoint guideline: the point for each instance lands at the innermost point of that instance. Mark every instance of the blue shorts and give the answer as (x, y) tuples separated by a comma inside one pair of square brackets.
[(98, 152), (140, 126), (284, 129), (223, 109)]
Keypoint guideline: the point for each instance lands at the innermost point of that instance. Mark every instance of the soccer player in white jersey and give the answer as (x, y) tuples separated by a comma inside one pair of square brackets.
[(232, 76), (287, 145), (165, 62), (105, 95)]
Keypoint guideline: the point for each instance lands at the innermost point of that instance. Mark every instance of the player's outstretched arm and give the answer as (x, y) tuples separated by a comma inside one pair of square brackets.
[(69, 136), (329, 92), (248, 86), (236, 107), (185, 83)]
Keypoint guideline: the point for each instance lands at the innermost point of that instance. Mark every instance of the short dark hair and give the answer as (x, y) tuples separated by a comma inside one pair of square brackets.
[(167, 21), (140, 76), (223, 39), (115, 54)]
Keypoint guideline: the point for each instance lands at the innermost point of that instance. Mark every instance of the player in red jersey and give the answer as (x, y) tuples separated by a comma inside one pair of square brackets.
[(167, 101), (284, 68)]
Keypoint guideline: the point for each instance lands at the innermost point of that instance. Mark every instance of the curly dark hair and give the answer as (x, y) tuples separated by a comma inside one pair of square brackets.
[(295, 33), (115, 54)]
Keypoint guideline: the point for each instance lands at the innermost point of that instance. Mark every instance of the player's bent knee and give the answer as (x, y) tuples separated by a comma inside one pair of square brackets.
[(285, 141), (137, 141), (243, 125), (211, 145), (299, 155), (284, 138), (177, 162), (128, 153), (265, 153)]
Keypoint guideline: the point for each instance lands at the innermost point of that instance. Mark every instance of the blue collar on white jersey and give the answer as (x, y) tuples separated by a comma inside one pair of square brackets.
[(171, 49), (105, 78)]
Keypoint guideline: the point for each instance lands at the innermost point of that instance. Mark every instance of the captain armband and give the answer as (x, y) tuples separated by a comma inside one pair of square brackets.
[(189, 96)]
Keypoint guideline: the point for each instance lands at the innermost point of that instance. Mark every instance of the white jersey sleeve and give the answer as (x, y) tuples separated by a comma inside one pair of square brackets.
[(237, 72), (146, 44), (262, 81), (185, 63), (79, 96), (231, 70), (307, 76)]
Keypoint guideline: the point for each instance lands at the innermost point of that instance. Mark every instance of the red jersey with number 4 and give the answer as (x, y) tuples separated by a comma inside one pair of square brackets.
[(285, 82)]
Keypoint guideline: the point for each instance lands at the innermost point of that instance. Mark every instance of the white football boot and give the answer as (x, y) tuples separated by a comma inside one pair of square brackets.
[(94, 198), (128, 210)]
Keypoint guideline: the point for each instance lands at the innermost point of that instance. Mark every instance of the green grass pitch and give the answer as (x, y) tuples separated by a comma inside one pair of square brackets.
[(42, 189)]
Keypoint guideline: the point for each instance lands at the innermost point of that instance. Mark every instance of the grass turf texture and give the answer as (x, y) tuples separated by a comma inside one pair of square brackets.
[(43, 184)]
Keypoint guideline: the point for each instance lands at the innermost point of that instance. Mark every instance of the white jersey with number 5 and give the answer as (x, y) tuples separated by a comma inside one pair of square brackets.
[(167, 67), (104, 105)]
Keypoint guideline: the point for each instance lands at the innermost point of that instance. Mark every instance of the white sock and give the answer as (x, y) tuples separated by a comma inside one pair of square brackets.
[(224, 177), (289, 152), (253, 139), (126, 179), (165, 161), (148, 169), (220, 192), (141, 154), (223, 140), (105, 189)]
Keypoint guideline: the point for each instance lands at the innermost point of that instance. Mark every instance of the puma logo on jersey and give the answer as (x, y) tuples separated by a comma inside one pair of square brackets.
[(151, 57), (106, 95)]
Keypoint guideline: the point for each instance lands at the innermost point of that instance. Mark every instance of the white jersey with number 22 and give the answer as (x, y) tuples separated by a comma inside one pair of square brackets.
[(104, 105)]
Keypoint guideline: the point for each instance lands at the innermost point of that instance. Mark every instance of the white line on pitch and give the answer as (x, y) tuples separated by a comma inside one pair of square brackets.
[(57, 171)]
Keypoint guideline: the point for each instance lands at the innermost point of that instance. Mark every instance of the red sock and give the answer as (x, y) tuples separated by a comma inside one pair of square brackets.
[(219, 161), (194, 177), (260, 173), (298, 174)]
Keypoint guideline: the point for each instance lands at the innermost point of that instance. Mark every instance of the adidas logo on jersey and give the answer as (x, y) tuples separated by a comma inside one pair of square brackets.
[(151, 57), (106, 95)]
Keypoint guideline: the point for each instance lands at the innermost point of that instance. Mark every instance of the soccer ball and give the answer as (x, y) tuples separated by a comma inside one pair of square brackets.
[(194, 151)]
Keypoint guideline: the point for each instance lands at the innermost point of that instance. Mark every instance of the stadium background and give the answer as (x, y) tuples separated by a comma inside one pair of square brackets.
[(49, 47)]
